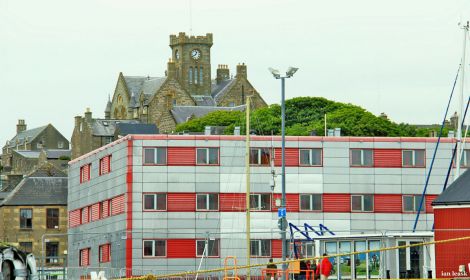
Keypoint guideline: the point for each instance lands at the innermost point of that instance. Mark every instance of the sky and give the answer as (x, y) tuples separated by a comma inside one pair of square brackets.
[(399, 57)]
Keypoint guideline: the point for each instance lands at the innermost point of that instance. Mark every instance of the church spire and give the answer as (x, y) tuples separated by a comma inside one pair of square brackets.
[(107, 111)]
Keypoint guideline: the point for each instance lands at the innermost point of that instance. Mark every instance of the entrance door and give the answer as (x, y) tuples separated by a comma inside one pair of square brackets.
[(410, 260)]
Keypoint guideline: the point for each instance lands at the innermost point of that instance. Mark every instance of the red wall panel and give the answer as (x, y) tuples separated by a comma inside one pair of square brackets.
[(232, 202), (429, 200), (292, 202), (105, 209), (292, 157), (387, 158), (387, 203), (95, 212), (276, 248), (450, 255), (74, 218), (181, 156), (117, 205), (181, 202), (181, 248), (336, 202)]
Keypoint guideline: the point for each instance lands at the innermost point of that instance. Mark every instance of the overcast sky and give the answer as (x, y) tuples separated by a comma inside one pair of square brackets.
[(399, 57)]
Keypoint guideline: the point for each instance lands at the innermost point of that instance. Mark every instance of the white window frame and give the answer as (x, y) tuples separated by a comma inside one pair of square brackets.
[(155, 155), (465, 161), (208, 196), (362, 203), (310, 195), (155, 201), (260, 253), (413, 158), (310, 154), (153, 248), (362, 163), (258, 160), (259, 196), (208, 249), (208, 149), (416, 198), (60, 144)]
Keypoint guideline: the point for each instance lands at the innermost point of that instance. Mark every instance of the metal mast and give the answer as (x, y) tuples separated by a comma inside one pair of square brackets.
[(460, 114), (248, 215)]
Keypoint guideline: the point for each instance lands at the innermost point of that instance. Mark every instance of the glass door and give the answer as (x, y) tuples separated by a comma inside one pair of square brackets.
[(374, 259), (416, 260), (360, 260), (402, 260), (345, 261), (330, 249)]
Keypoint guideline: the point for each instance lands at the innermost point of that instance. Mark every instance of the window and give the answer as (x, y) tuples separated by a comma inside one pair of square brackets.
[(155, 201), (201, 76), (310, 202), (26, 218), (361, 157), (85, 173), (207, 156), (155, 156), (310, 157), (60, 144), (52, 218), (105, 165), (105, 253), (413, 158), (85, 215), (207, 202), (261, 248), (84, 257), (260, 202), (362, 203), (195, 75), (260, 156), (212, 250), (154, 248), (104, 209), (411, 203), (465, 160), (26, 246), (52, 252), (190, 75)]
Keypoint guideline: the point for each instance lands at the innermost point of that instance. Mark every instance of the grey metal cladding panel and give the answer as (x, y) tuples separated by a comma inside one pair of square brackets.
[(207, 169), (361, 171), (207, 187), (336, 170), (335, 162), (383, 225), (207, 178), (154, 187), (339, 145), (412, 189), (235, 161), (207, 224), (182, 187), (443, 154), (387, 145), (388, 189), (387, 171), (311, 170), (362, 179), (304, 216), (388, 179), (310, 144), (361, 145), (336, 179), (154, 143), (363, 225), (207, 143), (152, 178), (362, 188), (413, 145), (336, 188), (155, 168), (181, 143), (335, 152), (413, 179), (435, 188)]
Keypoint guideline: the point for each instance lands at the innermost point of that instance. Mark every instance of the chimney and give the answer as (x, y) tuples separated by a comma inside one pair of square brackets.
[(21, 126), (88, 115), (223, 73), (78, 120), (236, 131), (241, 71), (171, 70), (207, 130)]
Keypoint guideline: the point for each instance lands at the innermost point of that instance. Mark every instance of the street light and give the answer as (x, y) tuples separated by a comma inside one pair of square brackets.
[(283, 221)]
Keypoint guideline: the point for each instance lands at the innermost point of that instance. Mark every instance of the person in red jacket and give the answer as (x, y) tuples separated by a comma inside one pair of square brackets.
[(324, 268)]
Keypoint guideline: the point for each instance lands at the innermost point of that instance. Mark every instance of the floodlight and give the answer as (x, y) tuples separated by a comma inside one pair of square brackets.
[(275, 73), (291, 71)]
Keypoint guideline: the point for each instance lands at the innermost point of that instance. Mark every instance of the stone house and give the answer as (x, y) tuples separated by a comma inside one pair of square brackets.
[(187, 85), (35, 207), (29, 148)]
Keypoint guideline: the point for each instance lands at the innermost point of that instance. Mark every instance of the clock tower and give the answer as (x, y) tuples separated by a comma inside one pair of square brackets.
[(192, 57)]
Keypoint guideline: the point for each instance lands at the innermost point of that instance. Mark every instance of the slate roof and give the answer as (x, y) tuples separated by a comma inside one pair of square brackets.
[(183, 113), (29, 134), (138, 85), (102, 127), (203, 100), (139, 128), (38, 191), (456, 193), (51, 154), (47, 170), (219, 90)]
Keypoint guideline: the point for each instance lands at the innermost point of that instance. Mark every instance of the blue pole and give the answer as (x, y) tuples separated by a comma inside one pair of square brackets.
[(283, 171)]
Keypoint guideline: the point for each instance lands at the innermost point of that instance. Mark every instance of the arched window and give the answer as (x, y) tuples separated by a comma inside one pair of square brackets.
[(195, 75), (200, 76), (190, 75)]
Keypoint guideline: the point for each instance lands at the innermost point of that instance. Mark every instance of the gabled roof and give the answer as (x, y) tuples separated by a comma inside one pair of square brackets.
[(51, 153), (457, 193), (103, 127), (204, 100), (38, 191), (124, 129), (218, 90), (183, 113), (47, 170), (29, 135), (138, 85)]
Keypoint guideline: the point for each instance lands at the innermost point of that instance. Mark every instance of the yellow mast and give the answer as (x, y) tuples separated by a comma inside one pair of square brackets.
[(248, 216)]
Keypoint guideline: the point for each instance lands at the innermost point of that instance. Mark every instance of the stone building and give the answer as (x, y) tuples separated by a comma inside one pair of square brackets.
[(37, 206), (30, 148), (187, 85), (90, 134)]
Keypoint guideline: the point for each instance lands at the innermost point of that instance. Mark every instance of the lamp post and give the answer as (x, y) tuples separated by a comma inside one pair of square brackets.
[(282, 220)]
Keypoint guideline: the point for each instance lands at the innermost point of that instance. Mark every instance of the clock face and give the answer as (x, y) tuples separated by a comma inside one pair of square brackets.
[(177, 54), (195, 54)]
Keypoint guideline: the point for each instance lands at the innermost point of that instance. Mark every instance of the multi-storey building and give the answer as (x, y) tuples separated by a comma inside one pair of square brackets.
[(149, 203)]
